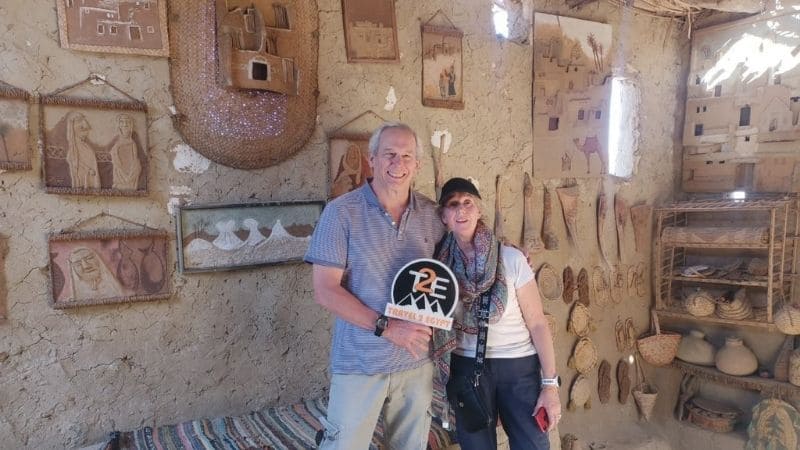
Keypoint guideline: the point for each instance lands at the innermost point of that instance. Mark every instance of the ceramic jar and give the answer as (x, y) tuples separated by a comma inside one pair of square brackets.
[(794, 368), (734, 358), (695, 349)]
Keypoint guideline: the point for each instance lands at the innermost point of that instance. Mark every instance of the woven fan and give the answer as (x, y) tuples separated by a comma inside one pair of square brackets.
[(774, 426), (584, 356), (580, 394), (550, 284), (579, 320)]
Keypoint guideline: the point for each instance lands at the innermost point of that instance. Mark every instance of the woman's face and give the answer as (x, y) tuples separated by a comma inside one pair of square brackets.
[(82, 128), (461, 214), (125, 126)]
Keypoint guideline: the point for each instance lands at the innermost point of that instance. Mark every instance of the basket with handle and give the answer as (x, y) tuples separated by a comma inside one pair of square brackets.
[(644, 394), (658, 349)]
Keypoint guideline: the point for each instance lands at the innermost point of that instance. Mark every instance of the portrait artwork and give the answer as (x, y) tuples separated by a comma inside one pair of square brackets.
[(114, 26), (349, 163), (572, 92), (94, 148), (441, 66), (14, 149), (237, 236), (99, 267), (370, 31)]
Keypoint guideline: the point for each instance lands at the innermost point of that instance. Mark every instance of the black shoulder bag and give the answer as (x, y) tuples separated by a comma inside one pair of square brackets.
[(464, 392)]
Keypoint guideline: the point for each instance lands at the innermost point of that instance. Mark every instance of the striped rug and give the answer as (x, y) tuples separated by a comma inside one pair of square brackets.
[(280, 428)]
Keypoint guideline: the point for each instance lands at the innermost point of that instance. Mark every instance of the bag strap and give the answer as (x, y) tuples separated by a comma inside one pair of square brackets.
[(483, 330)]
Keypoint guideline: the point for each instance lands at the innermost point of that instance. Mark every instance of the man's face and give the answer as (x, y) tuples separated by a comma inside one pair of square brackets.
[(85, 264), (125, 126), (395, 163)]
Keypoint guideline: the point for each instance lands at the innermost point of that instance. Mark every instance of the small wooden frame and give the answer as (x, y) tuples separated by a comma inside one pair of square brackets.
[(370, 31), (14, 128), (244, 235), (442, 80), (115, 26), (103, 267), (349, 165), (94, 146)]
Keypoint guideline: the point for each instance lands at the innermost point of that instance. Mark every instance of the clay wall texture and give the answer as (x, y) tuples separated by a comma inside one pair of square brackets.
[(230, 342)]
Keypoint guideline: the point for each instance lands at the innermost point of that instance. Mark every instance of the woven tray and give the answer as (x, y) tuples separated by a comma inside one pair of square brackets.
[(715, 235)]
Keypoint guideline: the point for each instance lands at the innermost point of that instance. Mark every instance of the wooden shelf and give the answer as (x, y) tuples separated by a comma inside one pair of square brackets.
[(724, 205), (754, 283), (754, 383), (734, 245), (760, 321)]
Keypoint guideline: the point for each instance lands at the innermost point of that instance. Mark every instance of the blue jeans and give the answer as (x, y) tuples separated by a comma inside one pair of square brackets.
[(511, 389)]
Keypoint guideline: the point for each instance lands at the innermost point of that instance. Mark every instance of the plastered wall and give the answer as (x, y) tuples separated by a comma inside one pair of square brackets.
[(231, 342)]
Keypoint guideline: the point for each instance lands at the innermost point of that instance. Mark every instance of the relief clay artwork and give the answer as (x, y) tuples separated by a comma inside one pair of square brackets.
[(370, 31), (572, 92), (602, 209), (442, 83), (531, 240), (108, 267), (640, 218), (568, 196), (349, 163), (256, 43), (14, 149), (548, 233), (95, 151), (114, 26)]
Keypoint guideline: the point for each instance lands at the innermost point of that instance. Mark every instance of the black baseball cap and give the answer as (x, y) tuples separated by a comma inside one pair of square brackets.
[(455, 186)]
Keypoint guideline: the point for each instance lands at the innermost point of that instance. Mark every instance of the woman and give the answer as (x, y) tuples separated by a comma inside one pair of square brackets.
[(80, 155), (519, 371), (125, 156)]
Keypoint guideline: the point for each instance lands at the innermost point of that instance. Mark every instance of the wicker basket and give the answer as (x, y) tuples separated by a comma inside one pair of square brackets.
[(700, 303), (660, 348), (645, 396), (787, 319), (712, 415)]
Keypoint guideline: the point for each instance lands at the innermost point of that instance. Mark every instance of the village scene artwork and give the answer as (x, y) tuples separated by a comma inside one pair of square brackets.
[(441, 67), (256, 45), (95, 151), (246, 235), (370, 31), (114, 26), (571, 89), (99, 268), (743, 107), (14, 148), (349, 163)]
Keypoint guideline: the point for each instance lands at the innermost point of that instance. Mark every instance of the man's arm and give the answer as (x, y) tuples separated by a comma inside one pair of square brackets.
[(329, 293)]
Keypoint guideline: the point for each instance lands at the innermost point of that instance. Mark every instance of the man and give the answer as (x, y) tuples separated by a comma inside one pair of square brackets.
[(362, 239)]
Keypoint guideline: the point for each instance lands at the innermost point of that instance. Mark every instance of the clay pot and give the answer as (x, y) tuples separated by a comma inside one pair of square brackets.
[(794, 368), (695, 349), (734, 358)]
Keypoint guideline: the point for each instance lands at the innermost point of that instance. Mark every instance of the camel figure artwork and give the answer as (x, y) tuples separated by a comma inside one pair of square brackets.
[(592, 145)]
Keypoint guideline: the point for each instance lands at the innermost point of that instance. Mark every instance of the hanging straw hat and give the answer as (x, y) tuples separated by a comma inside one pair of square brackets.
[(550, 284)]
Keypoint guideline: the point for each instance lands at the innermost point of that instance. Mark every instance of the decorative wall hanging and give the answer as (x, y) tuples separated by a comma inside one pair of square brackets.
[(256, 45), (623, 381), (442, 82), (774, 425), (3, 285), (238, 236), (348, 162), (584, 356), (370, 31), (742, 121), (602, 208), (604, 382), (94, 146), (243, 128), (570, 287), (102, 267), (583, 287), (640, 218), (571, 65), (580, 394), (114, 26), (621, 219), (548, 233), (568, 196), (498, 213), (530, 235), (550, 284), (14, 149)]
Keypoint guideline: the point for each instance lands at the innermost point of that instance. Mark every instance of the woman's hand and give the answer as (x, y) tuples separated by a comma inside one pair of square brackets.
[(549, 400)]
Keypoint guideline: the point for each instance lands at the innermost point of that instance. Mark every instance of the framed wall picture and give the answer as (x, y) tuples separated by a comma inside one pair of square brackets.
[(349, 163), (14, 149), (442, 82), (370, 31), (238, 236), (102, 267), (114, 26), (94, 146)]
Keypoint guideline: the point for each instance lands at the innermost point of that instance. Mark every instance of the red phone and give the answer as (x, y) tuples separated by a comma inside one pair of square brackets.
[(542, 420)]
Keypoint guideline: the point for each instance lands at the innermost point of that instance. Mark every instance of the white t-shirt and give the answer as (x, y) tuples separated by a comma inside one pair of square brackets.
[(509, 337)]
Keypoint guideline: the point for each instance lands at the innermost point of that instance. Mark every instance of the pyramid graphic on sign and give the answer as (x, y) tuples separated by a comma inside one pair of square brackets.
[(422, 303)]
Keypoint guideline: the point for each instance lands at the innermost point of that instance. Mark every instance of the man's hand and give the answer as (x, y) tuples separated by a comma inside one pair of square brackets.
[(413, 337)]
